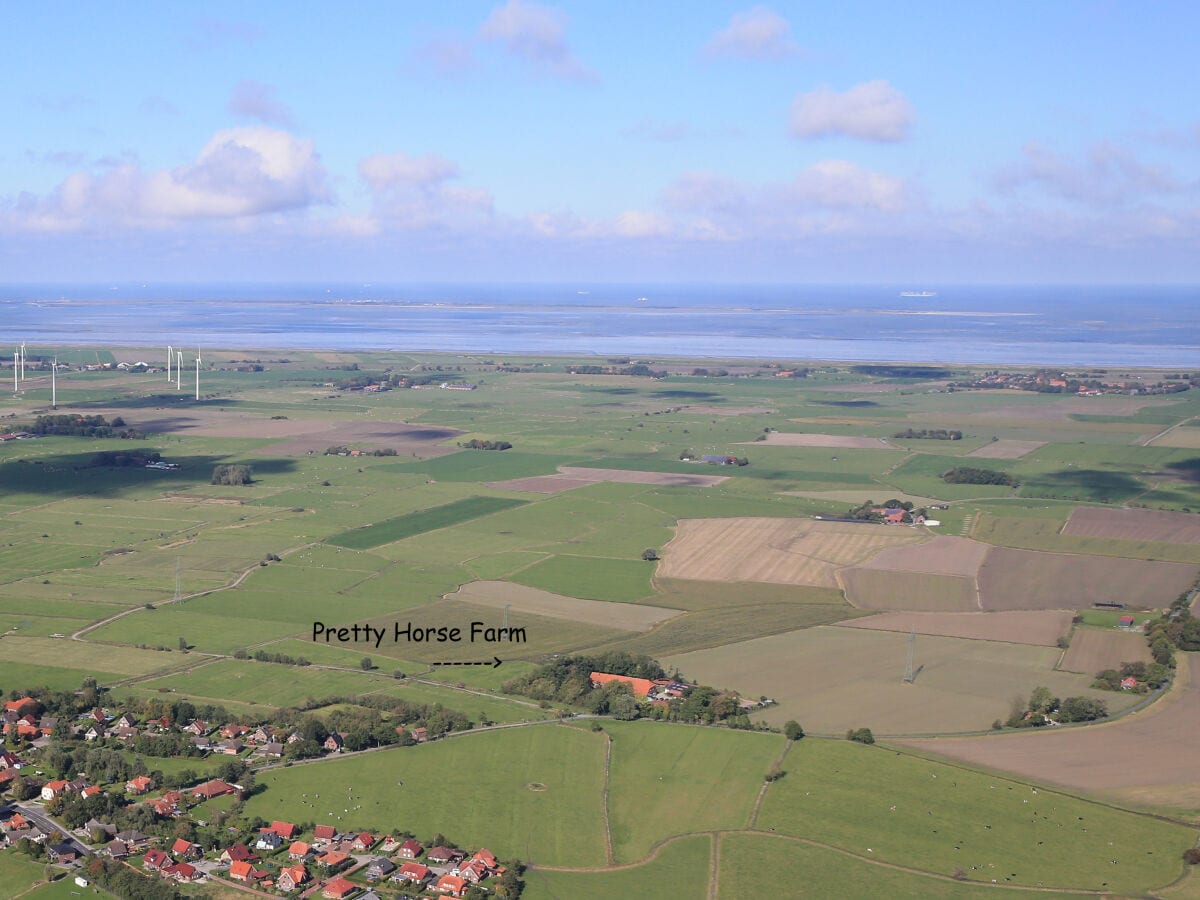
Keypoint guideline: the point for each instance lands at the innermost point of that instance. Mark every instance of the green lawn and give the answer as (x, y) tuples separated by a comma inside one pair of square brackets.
[(674, 779), (475, 789), (679, 872), (941, 818), (590, 578), (401, 527)]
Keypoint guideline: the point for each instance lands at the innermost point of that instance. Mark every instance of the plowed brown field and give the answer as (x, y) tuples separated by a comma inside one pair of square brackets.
[(1149, 756), (1094, 649), (881, 589), (1006, 449), (1134, 525), (1041, 627), (780, 551), (1028, 579), (943, 555)]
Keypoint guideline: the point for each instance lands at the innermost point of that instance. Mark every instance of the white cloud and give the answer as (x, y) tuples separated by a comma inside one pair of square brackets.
[(757, 33), (1106, 175), (259, 101), (414, 192), (873, 111), (239, 172), (537, 34), (840, 184)]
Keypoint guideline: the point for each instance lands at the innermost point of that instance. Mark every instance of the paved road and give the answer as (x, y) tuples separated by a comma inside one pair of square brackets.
[(38, 817)]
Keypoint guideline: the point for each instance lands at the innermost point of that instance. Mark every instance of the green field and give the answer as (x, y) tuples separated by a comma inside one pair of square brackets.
[(401, 527), (940, 818), (474, 788), (680, 870), (676, 779)]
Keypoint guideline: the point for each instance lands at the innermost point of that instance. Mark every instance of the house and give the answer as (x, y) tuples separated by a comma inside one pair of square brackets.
[(231, 747), (334, 742), (63, 853), (364, 842), (412, 871), (411, 849), (270, 750), (126, 734), (285, 830), (197, 728), (95, 826), (324, 834), (10, 761), (237, 853), (186, 849), (486, 857), (52, 789), (155, 860), (338, 888), (139, 785), (202, 742), (1129, 683), (474, 871), (261, 735), (380, 868), (181, 872), (21, 706), (234, 731), (420, 735), (15, 822), (268, 840), (117, 849), (125, 720), (641, 686), (89, 791), (291, 878), (452, 885), (134, 838), (210, 789), (95, 732), (168, 804), (442, 855), (244, 871), (299, 850), (718, 460)]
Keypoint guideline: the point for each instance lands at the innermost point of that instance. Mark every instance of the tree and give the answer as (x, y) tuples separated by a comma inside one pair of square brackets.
[(183, 644), (861, 735), (232, 475), (366, 664), (649, 554), (792, 730)]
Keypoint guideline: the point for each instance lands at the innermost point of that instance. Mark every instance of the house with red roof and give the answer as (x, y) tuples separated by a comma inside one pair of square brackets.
[(299, 850), (52, 789), (211, 789), (139, 785), (237, 853), (641, 686), (291, 878), (413, 871), (181, 872), (186, 849), (90, 791), (332, 858), (338, 888), (285, 830), (364, 841), (155, 860), (324, 834), (21, 706), (245, 872), (452, 885), (411, 849)]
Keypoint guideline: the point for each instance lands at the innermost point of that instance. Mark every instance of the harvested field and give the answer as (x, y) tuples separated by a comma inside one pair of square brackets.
[(832, 678), (1041, 627), (1149, 756), (943, 555), (843, 441), (579, 476), (728, 410), (883, 589), (1006, 449), (778, 551), (421, 441), (1095, 649), (1028, 579), (626, 616), (1186, 438), (1062, 410), (210, 423), (1134, 525)]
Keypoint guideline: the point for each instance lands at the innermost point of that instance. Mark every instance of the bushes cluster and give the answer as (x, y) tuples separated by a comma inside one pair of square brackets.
[(972, 475), (235, 474)]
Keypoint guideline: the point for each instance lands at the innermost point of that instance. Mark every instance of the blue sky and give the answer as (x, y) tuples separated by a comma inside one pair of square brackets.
[(521, 141)]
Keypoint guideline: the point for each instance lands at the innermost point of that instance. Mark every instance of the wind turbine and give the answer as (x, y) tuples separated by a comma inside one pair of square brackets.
[(22, 360), (178, 369), (169, 354), (197, 373), (54, 384), (16, 367)]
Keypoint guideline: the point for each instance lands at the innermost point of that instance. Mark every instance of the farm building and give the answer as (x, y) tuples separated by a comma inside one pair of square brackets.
[(641, 686)]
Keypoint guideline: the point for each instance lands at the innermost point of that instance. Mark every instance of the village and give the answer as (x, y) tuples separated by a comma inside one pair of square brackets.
[(61, 819)]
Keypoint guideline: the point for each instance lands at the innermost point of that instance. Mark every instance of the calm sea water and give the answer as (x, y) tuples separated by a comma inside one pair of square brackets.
[(1093, 326)]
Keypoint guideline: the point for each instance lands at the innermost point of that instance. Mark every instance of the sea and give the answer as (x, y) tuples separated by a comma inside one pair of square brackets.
[(1095, 326)]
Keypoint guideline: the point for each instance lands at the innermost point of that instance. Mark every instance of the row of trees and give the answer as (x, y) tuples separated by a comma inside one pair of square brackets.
[(1043, 707), (929, 434), (84, 426), (972, 475), (125, 458), (1149, 676), (477, 444)]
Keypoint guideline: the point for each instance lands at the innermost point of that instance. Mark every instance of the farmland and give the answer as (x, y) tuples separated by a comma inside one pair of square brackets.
[(754, 583)]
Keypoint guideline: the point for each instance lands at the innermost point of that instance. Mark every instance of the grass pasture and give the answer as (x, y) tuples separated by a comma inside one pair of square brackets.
[(942, 818), (678, 871), (590, 578), (401, 527), (832, 678), (625, 616), (676, 779), (473, 787)]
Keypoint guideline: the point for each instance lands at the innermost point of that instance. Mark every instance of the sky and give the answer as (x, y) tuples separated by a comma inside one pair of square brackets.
[(923, 143)]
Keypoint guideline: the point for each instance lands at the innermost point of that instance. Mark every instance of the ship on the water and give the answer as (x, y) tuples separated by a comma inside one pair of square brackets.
[(918, 293)]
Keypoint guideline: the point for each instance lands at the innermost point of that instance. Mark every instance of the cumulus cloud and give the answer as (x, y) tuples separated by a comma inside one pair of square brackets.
[(1106, 175), (872, 111), (840, 184), (259, 101), (537, 34), (416, 191), (240, 172), (757, 33)]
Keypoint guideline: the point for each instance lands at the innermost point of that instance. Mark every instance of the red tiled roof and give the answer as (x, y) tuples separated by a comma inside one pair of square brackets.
[(641, 686)]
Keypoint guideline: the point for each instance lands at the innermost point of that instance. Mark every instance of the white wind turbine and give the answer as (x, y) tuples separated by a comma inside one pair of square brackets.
[(197, 373), (169, 355)]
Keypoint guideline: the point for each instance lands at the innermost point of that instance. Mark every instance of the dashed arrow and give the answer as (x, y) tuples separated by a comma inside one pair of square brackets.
[(494, 662)]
